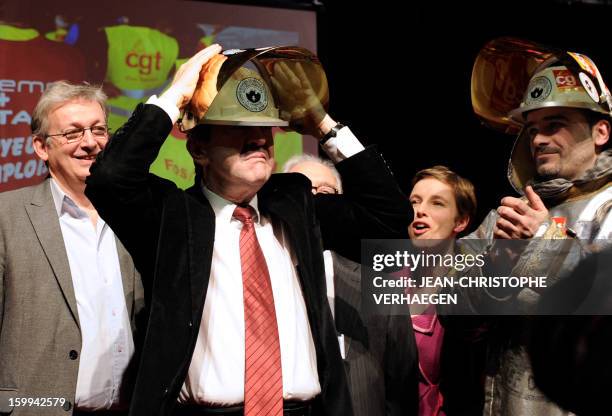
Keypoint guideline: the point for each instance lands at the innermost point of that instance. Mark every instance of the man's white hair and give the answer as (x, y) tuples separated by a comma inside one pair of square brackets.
[(297, 159), (59, 93)]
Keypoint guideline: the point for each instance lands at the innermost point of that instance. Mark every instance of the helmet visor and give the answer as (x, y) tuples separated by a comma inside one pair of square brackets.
[(500, 76), (275, 86), (512, 76)]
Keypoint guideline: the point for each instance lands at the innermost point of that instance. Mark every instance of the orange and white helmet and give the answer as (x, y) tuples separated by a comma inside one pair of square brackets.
[(513, 76)]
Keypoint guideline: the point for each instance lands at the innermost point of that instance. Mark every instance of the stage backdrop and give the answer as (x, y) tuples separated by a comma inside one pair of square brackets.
[(131, 47)]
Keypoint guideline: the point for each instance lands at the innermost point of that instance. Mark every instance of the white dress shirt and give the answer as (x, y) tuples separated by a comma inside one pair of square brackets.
[(216, 372), (328, 262), (107, 344)]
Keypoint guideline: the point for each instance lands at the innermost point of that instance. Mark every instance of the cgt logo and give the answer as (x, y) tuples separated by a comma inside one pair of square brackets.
[(565, 79), (143, 61)]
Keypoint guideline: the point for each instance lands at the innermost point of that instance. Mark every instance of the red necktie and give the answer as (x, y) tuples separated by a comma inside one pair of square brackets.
[(263, 382)]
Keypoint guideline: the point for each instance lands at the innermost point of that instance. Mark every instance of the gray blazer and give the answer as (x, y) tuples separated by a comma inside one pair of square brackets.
[(40, 337), (381, 356)]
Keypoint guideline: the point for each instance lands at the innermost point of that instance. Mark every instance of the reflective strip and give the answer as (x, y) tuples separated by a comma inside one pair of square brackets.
[(140, 94), (119, 111), (57, 35), (17, 34)]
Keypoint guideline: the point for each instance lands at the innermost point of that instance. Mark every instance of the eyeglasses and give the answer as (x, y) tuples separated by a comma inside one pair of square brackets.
[(324, 189), (100, 133)]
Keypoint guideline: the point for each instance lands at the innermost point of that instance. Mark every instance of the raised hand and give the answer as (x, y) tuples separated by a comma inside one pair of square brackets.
[(186, 78), (519, 219), (298, 99)]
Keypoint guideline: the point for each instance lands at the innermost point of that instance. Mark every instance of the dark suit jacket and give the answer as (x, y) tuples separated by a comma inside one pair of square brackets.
[(170, 236), (381, 357)]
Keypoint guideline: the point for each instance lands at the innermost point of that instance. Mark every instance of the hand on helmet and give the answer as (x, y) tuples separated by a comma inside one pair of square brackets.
[(186, 78), (298, 99)]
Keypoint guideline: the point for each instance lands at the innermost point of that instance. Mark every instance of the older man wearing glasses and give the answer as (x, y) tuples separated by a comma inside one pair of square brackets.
[(379, 352), (69, 292)]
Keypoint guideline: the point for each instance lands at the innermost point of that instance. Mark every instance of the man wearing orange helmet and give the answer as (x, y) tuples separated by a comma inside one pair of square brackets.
[(561, 164)]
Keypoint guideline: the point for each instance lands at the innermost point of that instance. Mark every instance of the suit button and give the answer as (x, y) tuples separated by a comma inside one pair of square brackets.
[(190, 324), (166, 392), (73, 355), (67, 406)]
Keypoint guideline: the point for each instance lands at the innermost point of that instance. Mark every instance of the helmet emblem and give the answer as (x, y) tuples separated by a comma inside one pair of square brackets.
[(251, 94), (589, 86), (536, 92), (539, 89)]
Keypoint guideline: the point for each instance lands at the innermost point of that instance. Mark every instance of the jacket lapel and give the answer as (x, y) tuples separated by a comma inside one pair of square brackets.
[(43, 217), (278, 201), (282, 199), (201, 236), (347, 289)]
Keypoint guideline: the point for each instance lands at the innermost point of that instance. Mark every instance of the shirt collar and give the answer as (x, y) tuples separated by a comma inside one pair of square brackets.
[(224, 209), (64, 204)]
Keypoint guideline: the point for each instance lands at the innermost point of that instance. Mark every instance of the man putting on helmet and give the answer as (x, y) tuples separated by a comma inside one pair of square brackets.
[(239, 321)]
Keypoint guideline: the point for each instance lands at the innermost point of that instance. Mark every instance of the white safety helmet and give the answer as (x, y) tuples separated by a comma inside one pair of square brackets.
[(244, 93), (513, 76)]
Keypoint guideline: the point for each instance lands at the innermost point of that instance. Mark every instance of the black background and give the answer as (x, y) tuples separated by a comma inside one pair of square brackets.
[(399, 75)]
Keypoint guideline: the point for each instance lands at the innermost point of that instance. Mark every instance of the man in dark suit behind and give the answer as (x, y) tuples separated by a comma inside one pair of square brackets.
[(186, 244), (379, 351)]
